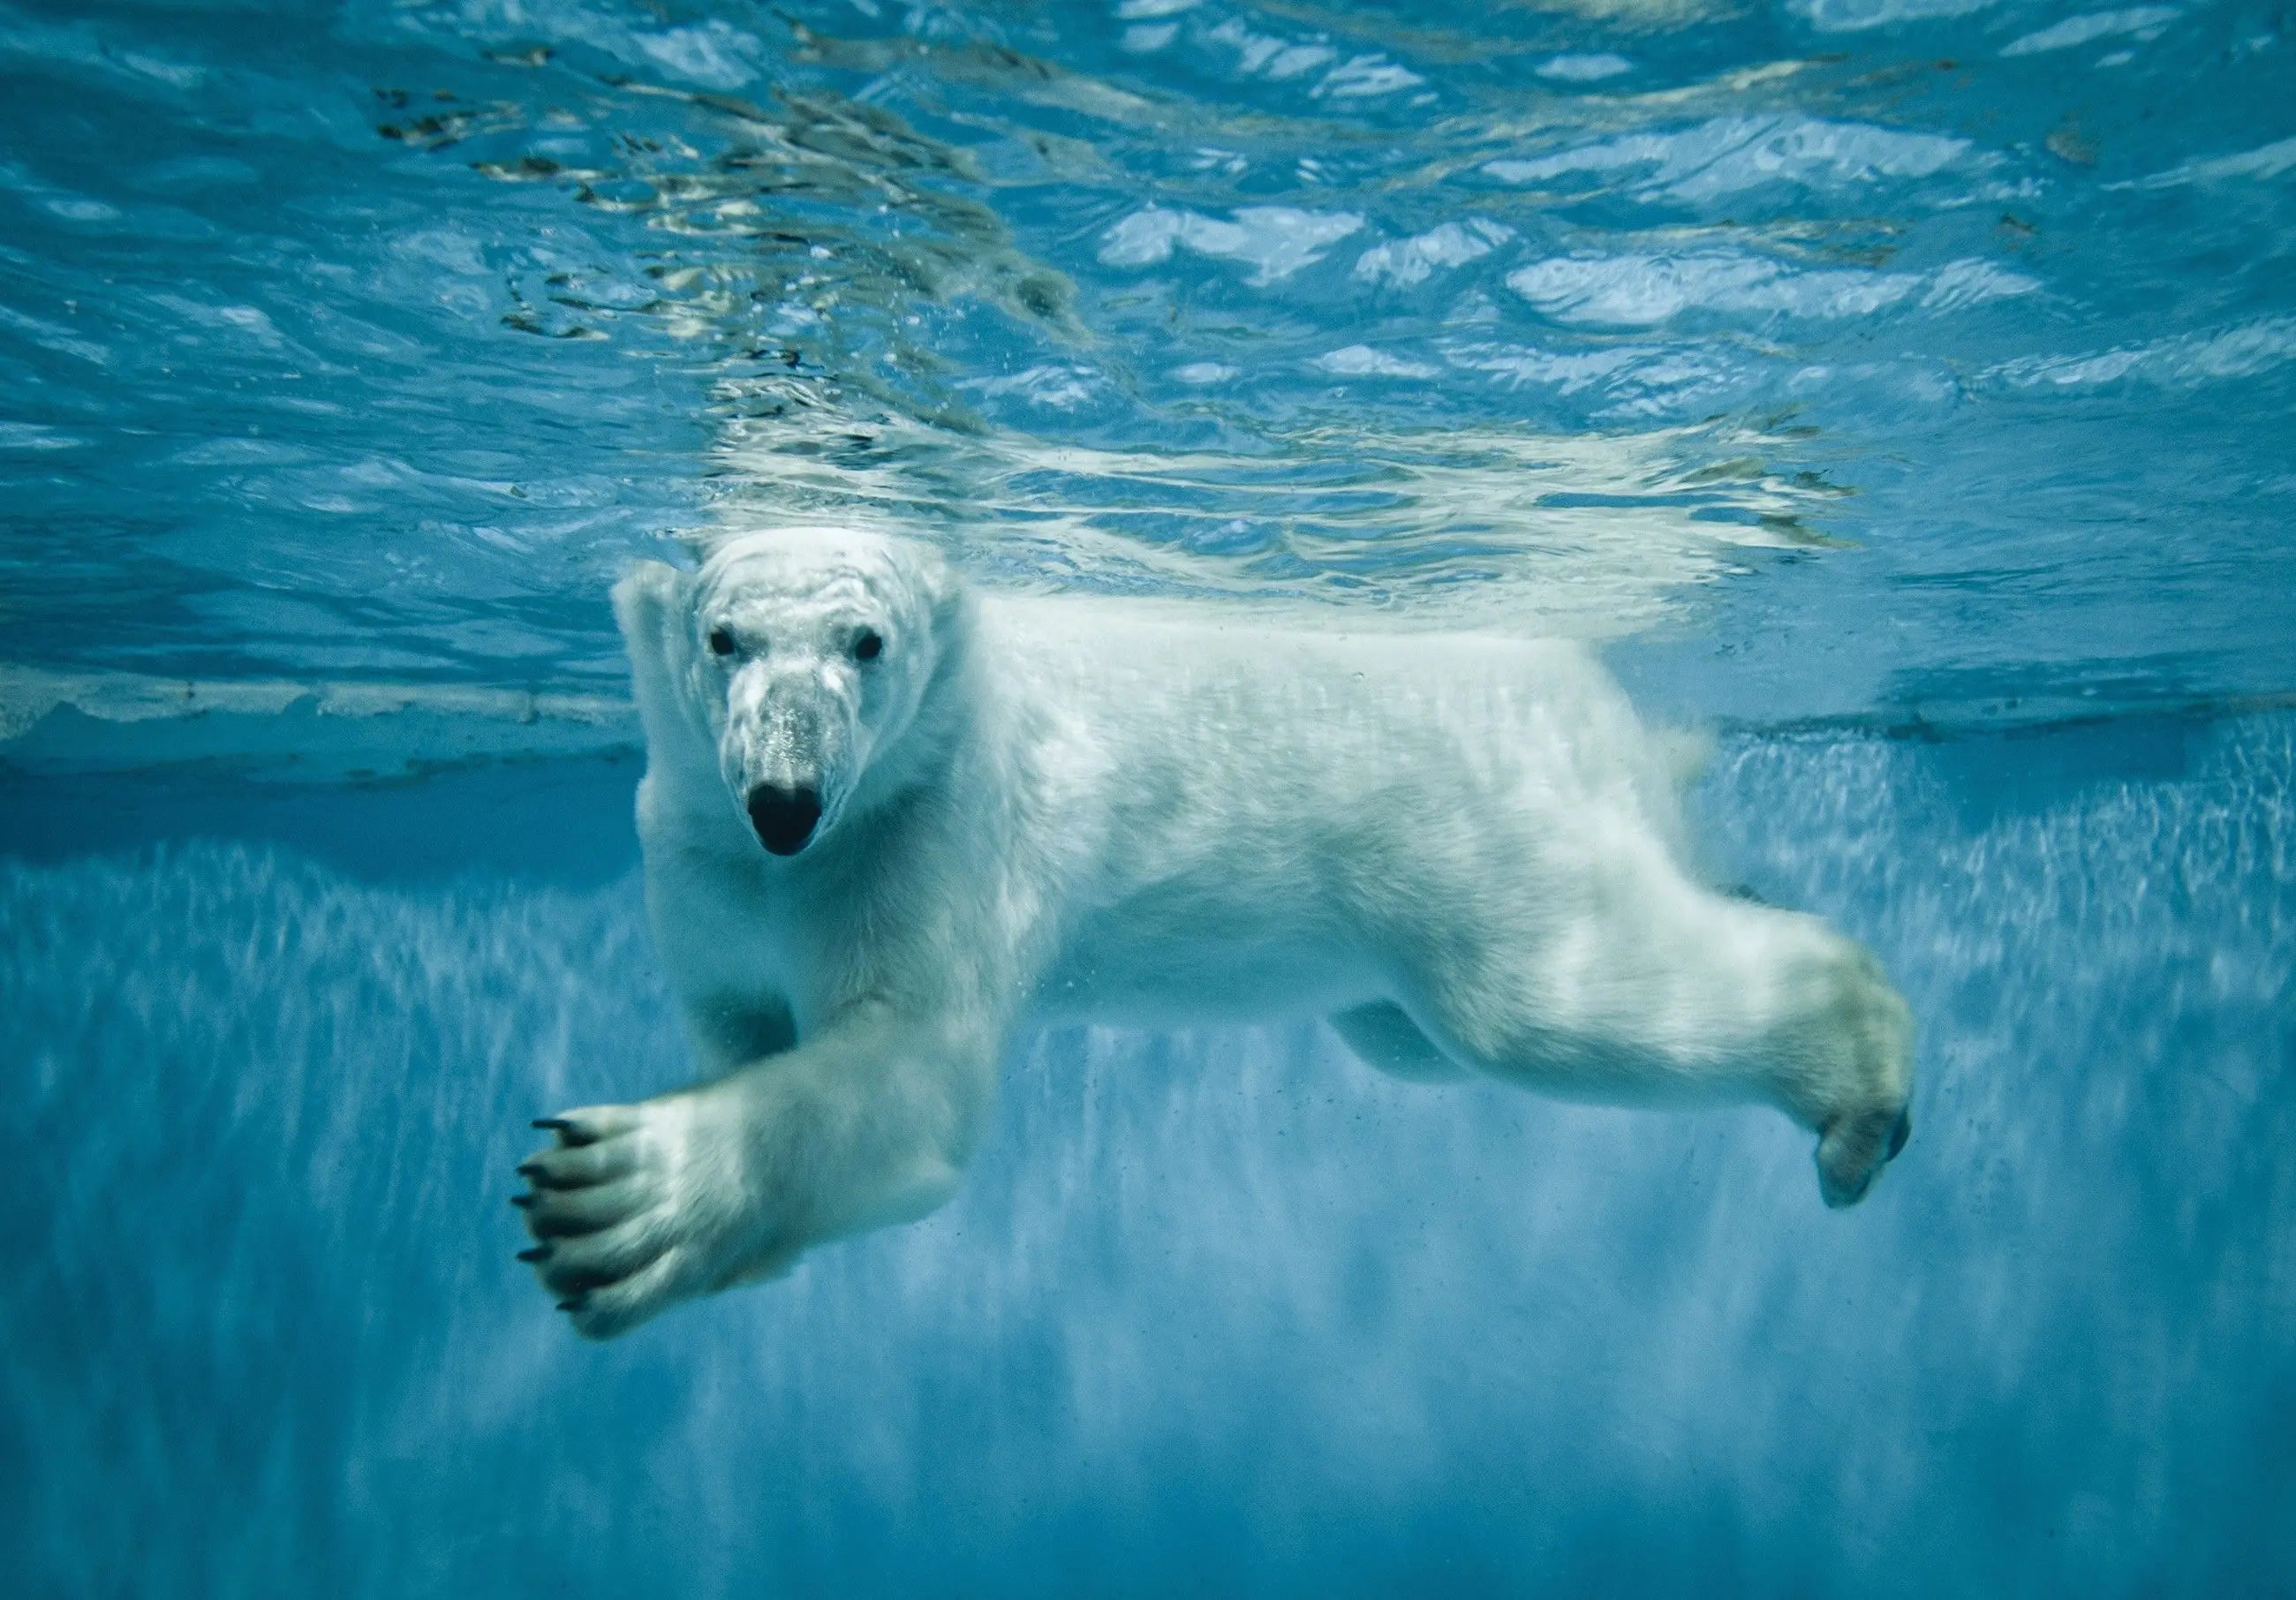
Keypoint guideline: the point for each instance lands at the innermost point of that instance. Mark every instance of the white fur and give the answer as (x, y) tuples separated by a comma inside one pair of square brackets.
[(1462, 851)]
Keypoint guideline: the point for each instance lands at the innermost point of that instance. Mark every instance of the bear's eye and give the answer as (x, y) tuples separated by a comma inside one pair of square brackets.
[(868, 647), (721, 643)]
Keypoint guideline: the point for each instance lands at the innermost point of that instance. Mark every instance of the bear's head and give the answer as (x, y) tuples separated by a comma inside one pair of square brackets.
[(805, 655)]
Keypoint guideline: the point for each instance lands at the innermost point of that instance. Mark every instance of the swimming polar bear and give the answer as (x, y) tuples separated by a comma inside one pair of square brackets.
[(887, 821)]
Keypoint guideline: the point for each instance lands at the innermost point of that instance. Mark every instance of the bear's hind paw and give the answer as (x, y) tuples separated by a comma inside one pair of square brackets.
[(1853, 1149)]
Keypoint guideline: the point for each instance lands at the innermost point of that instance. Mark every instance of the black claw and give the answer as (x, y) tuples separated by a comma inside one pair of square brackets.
[(540, 1253), (522, 1200), (529, 1168), (572, 1303), (1898, 1134), (553, 1125)]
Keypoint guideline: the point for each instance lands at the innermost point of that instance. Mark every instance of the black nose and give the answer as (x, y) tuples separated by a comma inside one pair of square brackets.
[(784, 818)]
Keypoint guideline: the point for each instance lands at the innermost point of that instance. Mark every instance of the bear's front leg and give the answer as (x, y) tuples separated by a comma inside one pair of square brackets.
[(637, 1207)]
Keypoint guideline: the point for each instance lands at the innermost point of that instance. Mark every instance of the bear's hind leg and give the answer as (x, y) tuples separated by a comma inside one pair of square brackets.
[(1649, 989)]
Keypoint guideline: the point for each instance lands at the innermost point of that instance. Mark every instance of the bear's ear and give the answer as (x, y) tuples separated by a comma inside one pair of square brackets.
[(646, 597), (945, 590), (650, 603)]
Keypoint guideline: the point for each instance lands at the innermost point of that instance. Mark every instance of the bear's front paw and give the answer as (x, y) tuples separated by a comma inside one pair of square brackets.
[(637, 1207)]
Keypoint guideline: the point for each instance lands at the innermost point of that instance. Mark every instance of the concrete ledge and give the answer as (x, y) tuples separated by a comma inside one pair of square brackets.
[(317, 732)]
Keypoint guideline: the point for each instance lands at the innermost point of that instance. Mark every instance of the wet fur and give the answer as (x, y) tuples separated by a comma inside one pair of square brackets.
[(1463, 851)]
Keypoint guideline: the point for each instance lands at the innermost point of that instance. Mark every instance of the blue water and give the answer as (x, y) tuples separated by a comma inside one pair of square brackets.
[(1904, 387)]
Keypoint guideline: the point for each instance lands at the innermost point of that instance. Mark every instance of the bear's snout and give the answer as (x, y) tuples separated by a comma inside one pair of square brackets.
[(784, 818)]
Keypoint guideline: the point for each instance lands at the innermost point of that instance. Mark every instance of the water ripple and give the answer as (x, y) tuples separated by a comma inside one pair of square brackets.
[(424, 314)]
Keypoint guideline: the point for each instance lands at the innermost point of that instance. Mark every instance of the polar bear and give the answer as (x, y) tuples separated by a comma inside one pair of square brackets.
[(889, 820)]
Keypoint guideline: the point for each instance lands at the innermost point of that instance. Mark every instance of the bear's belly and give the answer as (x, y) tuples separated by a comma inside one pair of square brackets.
[(1138, 969)]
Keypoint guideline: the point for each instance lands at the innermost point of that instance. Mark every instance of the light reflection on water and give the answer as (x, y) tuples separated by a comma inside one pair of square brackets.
[(367, 341)]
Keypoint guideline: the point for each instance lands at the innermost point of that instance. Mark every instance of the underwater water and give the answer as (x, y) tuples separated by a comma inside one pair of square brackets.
[(1904, 388)]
